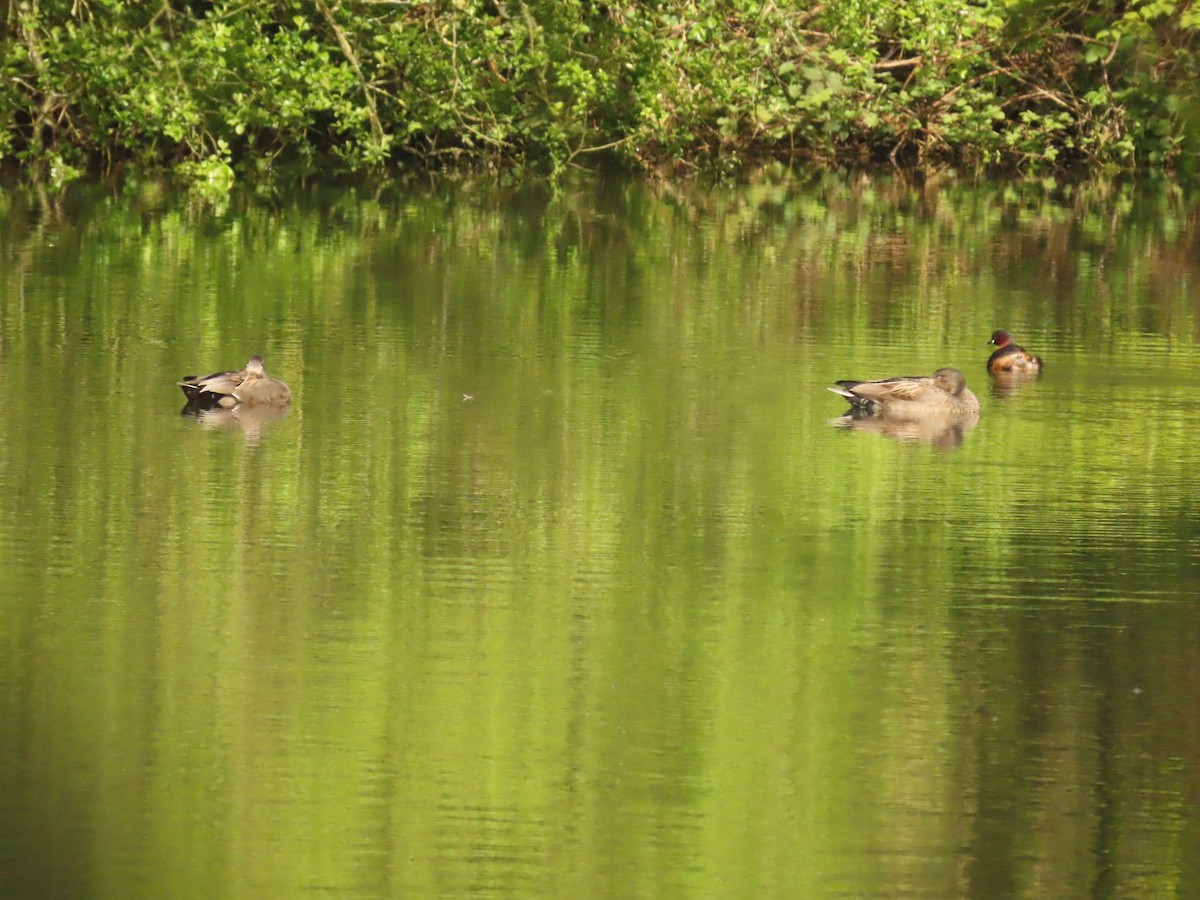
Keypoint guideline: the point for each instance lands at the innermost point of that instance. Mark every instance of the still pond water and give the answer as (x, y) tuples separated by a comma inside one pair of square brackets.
[(556, 580)]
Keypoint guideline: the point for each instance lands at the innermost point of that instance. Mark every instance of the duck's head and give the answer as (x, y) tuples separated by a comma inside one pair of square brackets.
[(951, 381), (1001, 338)]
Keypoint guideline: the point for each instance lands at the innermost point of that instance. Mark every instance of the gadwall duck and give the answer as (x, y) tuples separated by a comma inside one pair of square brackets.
[(250, 386), (912, 397), (1010, 359)]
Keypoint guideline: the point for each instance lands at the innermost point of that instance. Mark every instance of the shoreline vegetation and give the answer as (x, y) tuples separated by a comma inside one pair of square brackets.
[(218, 91)]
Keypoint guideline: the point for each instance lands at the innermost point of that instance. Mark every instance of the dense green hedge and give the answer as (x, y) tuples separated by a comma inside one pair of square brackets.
[(1017, 84)]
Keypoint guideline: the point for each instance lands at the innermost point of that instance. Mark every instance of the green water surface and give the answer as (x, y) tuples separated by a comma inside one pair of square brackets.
[(556, 581)]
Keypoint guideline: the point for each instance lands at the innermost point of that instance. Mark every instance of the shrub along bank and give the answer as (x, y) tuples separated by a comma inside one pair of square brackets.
[(208, 87)]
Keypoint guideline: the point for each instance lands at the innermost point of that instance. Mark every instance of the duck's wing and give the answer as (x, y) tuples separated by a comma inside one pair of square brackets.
[(224, 383), (220, 384), (892, 389), (860, 407), (910, 388)]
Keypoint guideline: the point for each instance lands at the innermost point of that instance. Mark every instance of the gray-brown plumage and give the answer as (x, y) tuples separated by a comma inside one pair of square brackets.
[(912, 397), (249, 386)]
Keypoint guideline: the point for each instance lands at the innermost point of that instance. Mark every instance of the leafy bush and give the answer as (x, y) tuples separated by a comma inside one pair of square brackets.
[(1019, 84)]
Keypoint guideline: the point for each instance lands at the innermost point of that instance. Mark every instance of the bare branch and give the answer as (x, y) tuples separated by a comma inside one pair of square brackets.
[(348, 52)]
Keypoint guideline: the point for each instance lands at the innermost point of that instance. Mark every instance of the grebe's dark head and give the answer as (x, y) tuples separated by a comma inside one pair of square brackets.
[(1001, 338)]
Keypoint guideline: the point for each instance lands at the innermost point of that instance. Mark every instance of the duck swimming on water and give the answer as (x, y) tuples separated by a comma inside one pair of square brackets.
[(249, 386), (1010, 359), (944, 394)]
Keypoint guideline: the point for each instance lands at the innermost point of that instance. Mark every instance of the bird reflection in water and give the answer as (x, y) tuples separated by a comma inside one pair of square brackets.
[(252, 420), (939, 432)]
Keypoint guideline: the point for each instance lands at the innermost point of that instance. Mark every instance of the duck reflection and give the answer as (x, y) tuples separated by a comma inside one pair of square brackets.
[(940, 432), (1008, 384), (252, 420)]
